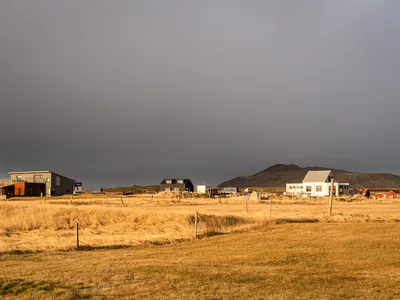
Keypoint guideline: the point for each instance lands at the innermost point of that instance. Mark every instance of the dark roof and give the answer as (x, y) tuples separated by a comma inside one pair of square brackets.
[(34, 172), (175, 181), (29, 172), (6, 185)]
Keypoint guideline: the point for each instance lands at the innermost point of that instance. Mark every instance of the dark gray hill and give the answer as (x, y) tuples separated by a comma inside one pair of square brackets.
[(280, 174)]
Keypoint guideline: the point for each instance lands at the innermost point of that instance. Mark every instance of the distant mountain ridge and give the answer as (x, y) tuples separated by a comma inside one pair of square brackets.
[(280, 174)]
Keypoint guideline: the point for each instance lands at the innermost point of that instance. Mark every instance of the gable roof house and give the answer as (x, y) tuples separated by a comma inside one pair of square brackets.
[(176, 185), (317, 184)]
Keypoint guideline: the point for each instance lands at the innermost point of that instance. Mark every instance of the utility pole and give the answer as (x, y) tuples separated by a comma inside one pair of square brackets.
[(331, 198)]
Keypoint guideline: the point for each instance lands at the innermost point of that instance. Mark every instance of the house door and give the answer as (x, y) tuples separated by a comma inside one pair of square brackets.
[(19, 192)]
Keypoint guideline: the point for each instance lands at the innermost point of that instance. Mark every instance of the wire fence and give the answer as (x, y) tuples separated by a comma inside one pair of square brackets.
[(271, 210)]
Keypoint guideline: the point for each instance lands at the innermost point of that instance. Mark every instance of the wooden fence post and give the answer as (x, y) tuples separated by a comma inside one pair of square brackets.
[(246, 207), (195, 225), (122, 201), (331, 199), (70, 200), (77, 236)]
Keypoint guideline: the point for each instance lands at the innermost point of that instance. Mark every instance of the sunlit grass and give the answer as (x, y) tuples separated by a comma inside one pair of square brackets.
[(287, 261)]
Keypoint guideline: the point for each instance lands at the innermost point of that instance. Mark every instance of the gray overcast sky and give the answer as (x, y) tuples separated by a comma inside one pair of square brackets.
[(129, 92)]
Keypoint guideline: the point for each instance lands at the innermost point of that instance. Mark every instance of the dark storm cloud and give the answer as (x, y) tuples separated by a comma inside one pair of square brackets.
[(127, 92)]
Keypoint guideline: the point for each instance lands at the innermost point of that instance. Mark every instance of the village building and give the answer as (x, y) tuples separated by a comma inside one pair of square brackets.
[(317, 184), (229, 190), (200, 189), (37, 183), (388, 195), (78, 188), (176, 185)]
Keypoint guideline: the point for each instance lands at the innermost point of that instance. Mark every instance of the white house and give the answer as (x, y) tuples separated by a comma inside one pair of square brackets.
[(317, 184)]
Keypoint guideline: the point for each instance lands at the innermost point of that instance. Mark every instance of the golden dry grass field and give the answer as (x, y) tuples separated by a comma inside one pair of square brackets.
[(143, 247)]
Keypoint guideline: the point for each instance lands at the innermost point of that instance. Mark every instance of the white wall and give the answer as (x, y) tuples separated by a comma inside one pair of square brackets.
[(324, 188), (293, 189), (201, 189)]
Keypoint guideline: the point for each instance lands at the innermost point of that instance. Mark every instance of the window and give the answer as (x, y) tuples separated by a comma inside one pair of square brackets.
[(308, 188), (168, 181), (180, 181), (167, 189), (37, 178), (319, 188), (176, 189), (58, 181)]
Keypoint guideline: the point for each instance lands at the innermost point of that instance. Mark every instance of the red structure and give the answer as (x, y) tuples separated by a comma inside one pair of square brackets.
[(364, 192), (22, 189), (388, 195)]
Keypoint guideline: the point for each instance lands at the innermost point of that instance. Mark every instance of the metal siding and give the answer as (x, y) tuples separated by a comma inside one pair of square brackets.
[(66, 184), (182, 187)]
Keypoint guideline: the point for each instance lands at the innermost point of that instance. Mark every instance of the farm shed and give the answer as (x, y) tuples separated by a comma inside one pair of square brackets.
[(200, 189), (230, 190), (388, 195)]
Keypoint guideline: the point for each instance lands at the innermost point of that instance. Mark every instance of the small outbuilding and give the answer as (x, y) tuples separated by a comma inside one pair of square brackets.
[(78, 188), (200, 189), (229, 190), (388, 195)]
